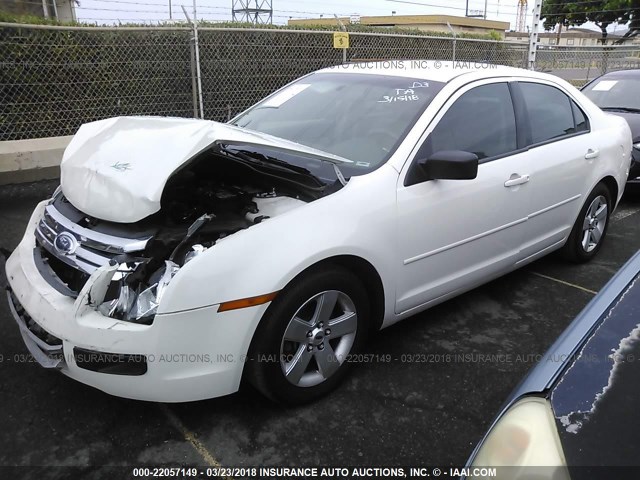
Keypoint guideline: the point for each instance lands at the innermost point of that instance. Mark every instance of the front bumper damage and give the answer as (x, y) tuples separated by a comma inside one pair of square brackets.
[(181, 356), (46, 351)]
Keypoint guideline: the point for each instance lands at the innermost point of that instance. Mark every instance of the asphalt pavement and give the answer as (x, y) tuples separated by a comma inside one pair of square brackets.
[(422, 408)]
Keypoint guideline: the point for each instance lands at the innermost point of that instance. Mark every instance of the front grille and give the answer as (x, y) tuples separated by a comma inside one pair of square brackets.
[(63, 277), (91, 249), (68, 253)]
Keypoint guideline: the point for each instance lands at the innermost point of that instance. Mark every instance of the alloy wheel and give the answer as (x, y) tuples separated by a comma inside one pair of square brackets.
[(594, 223), (318, 338)]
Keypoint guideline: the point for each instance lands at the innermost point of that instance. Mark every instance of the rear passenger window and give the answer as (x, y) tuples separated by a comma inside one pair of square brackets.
[(481, 121), (582, 124), (550, 112)]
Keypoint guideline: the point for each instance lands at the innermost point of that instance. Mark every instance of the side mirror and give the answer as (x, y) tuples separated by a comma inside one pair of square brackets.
[(450, 165)]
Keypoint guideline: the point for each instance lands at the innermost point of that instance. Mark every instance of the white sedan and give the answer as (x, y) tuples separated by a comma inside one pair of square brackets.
[(180, 257)]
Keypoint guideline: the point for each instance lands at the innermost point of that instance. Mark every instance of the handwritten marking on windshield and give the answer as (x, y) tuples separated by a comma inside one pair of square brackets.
[(401, 95)]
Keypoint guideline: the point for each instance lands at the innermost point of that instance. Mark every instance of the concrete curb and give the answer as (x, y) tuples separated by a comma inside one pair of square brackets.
[(30, 160)]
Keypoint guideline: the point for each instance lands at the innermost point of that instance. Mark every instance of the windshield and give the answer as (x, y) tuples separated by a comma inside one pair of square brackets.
[(612, 92), (359, 117)]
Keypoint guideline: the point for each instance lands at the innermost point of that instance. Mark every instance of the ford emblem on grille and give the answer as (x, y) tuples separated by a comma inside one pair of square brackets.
[(65, 243)]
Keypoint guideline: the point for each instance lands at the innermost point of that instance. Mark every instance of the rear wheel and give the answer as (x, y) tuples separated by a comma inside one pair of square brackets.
[(590, 228), (300, 349)]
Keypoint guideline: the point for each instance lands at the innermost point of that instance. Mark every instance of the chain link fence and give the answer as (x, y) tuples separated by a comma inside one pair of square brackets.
[(53, 79), (580, 65)]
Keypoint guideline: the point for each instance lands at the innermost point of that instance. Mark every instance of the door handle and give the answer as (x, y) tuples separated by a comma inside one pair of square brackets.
[(516, 180), (592, 153)]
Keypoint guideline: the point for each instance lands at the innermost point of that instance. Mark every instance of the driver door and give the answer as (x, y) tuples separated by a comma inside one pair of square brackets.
[(456, 234)]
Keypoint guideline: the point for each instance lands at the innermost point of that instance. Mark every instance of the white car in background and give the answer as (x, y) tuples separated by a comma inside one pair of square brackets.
[(181, 256)]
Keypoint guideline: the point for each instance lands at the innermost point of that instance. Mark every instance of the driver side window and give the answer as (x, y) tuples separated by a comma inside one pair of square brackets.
[(481, 121)]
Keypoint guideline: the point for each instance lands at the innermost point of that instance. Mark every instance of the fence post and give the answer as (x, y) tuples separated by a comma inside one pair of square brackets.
[(194, 82), (455, 38), (196, 79), (197, 52), (344, 29)]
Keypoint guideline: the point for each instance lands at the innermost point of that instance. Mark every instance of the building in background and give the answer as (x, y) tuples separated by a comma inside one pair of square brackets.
[(431, 23), (62, 10), (574, 37)]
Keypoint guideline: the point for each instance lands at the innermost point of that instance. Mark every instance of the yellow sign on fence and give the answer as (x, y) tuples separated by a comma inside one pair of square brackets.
[(341, 40)]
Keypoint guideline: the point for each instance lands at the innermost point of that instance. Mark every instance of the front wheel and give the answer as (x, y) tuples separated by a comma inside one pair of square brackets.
[(591, 226), (301, 348)]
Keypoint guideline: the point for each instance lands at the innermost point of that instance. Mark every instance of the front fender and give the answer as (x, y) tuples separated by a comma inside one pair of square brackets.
[(358, 220)]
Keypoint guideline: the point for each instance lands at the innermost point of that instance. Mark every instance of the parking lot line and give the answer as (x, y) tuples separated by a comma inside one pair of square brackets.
[(622, 214), (592, 292), (190, 437)]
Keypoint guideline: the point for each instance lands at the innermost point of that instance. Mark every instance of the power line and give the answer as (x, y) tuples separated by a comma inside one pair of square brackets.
[(207, 7), (176, 7), (409, 2), (612, 10)]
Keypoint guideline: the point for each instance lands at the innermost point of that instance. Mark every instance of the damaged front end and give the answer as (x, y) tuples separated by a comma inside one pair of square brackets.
[(123, 269), (113, 291)]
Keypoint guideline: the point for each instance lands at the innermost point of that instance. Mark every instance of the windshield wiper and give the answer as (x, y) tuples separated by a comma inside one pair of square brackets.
[(343, 181), (254, 159), (295, 168), (273, 161), (622, 109)]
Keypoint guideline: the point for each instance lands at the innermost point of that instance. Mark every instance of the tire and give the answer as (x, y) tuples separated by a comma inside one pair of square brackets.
[(590, 229), (296, 361)]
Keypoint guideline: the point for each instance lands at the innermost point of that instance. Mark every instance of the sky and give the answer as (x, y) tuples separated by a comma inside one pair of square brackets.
[(154, 11), (110, 11)]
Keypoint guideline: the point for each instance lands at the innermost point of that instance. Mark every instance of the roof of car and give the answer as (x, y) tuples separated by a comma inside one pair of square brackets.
[(434, 70), (623, 74)]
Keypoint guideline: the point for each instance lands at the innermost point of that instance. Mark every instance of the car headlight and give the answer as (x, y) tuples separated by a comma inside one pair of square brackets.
[(637, 146), (525, 436), (140, 304)]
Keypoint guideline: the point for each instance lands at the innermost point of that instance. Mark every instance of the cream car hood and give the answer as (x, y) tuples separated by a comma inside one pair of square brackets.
[(116, 169)]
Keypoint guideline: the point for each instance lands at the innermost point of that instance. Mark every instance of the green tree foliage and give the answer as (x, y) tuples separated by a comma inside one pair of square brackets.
[(601, 12)]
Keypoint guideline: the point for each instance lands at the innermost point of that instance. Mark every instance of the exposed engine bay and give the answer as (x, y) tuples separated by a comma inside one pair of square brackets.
[(210, 200), (220, 192)]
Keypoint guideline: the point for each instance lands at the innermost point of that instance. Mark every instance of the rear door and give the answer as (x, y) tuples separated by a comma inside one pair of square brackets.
[(560, 156)]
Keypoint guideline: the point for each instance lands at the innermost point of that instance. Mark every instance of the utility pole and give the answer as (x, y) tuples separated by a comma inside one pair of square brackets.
[(533, 38)]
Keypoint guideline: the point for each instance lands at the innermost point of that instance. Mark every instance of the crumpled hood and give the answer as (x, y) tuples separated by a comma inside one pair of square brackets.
[(116, 169)]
